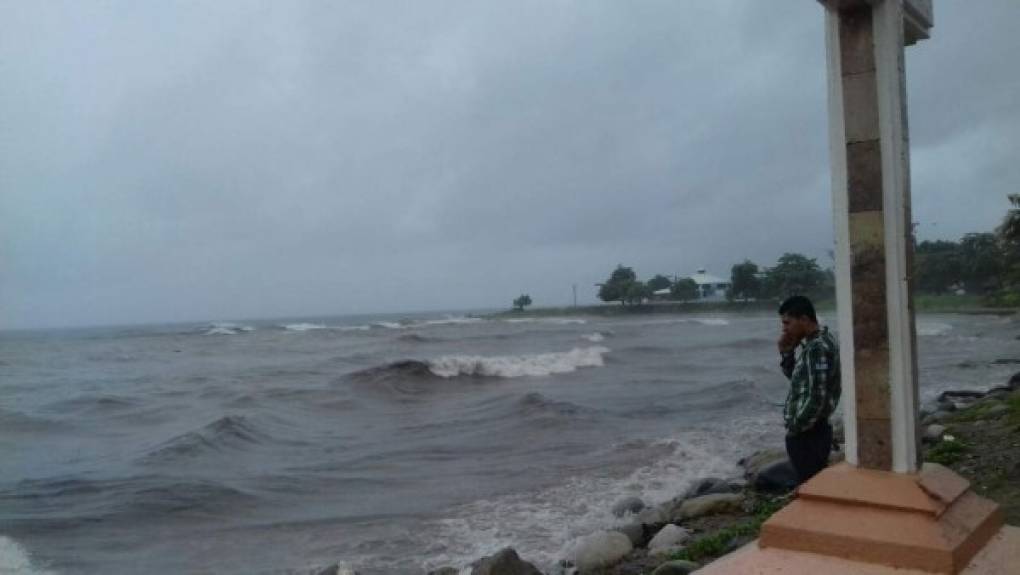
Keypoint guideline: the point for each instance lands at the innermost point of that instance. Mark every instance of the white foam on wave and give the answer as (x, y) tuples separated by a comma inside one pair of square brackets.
[(354, 328), (932, 329), (15, 560), (227, 328), (390, 324), (550, 320), (453, 320), (535, 365), (303, 326), (544, 526), (594, 337), (712, 321)]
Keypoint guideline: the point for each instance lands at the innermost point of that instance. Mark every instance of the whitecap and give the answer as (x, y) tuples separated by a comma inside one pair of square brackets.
[(303, 326), (712, 321), (453, 320), (551, 320), (536, 365), (931, 329), (354, 328), (227, 328), (594, 337), (389, 324), (15, 560)]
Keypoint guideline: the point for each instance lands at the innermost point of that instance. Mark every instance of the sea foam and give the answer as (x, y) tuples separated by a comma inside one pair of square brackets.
[(303, 326), (15, 560), (535, 365), (226, 328)]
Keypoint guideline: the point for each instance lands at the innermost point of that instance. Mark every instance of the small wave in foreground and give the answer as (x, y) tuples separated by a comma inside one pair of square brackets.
[(226, 433)]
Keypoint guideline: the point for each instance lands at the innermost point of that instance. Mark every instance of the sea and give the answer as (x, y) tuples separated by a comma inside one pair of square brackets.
[(392, 443)]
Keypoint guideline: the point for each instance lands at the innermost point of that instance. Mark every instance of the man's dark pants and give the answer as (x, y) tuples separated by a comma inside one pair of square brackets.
[(809, 450)]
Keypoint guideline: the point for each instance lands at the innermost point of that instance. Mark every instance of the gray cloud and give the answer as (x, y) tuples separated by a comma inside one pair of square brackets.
[(182, 161)]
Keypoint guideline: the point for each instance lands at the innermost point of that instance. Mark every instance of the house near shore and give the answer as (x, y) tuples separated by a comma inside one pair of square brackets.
[(710, 287)]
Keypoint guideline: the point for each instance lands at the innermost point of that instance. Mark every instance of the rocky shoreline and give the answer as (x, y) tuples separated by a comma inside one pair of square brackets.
[(717, 515)]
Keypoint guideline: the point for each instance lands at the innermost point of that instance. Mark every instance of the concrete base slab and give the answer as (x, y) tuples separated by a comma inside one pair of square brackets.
[(1000, 556)]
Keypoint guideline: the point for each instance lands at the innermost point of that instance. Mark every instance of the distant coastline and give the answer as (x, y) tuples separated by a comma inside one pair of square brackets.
[(923, 303)]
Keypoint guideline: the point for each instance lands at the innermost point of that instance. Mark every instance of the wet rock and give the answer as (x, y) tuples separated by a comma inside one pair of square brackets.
[(669, 538), (628, 505), (709, 505), (444, 571), (777, 477), (1014, 382), (635, 532), (936, 417), (933, 433), (653, 516), (677, 567), (706, 486), (599, 550), (958, 395), (504, 562), (754, 463)]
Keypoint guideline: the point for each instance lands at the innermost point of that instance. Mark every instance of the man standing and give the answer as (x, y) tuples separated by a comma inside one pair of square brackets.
[(810, 359)]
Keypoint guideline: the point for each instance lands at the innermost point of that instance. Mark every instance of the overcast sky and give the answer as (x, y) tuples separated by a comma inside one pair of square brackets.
[(180, 161)]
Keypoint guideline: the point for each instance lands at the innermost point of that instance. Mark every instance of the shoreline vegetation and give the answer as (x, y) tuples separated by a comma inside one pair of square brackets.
[(977, 434), (964, 304)]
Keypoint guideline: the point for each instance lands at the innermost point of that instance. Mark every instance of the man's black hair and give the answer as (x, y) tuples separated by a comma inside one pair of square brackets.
[(798, 306)]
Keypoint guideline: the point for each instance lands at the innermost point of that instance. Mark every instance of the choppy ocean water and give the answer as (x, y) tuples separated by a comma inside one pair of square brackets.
[(396, 443)]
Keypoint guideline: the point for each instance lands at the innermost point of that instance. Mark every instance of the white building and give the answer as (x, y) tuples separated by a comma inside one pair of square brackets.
[(710, 287)]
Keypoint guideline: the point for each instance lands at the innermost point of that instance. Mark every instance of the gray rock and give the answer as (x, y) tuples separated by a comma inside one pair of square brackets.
[(709, 505), (653, 516), (444, 571), (956, 395), (755, 463), (669, 537), (937, 417), (777, 477), (504, 562), (628, 505), (1014, 382), (676, 568), (634, 531), (599, 550), (933, 433), (706, 486)]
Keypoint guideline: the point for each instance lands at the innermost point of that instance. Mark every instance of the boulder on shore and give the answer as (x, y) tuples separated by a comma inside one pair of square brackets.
[(669, 538), (709, 505), (598, 550), (706, 486), (634, 531), (628, 505), (776, 477), (933, 433), (504, 562)]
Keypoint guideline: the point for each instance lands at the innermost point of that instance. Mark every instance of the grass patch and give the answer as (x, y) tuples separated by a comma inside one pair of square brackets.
[(720, 542), (947, 452)]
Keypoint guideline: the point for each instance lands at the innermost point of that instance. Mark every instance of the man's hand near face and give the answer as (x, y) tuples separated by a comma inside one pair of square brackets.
[(787, 342)]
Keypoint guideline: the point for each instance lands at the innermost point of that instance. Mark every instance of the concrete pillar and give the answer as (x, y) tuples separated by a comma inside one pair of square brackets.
[(871, 203)]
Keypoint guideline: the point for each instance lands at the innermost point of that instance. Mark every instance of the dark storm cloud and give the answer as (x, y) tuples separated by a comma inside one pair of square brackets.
[(188, 161)]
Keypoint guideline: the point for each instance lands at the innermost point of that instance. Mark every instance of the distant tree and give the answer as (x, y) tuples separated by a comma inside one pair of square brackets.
[(937, 266), (617, 286), (658, 282), (794, 274), (744, 282), (684, 289), (982, 261), (521, 302), (1008, 234), (636, 292)]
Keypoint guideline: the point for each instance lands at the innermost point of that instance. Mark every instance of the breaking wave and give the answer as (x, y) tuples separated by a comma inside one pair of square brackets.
[(226, 328), (303, 326), (931, 329), (15, 560), (536, 365), (550, 320), (594, 337)]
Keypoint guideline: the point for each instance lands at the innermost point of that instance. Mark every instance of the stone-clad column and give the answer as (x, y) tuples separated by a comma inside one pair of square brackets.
[(871, 204)]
